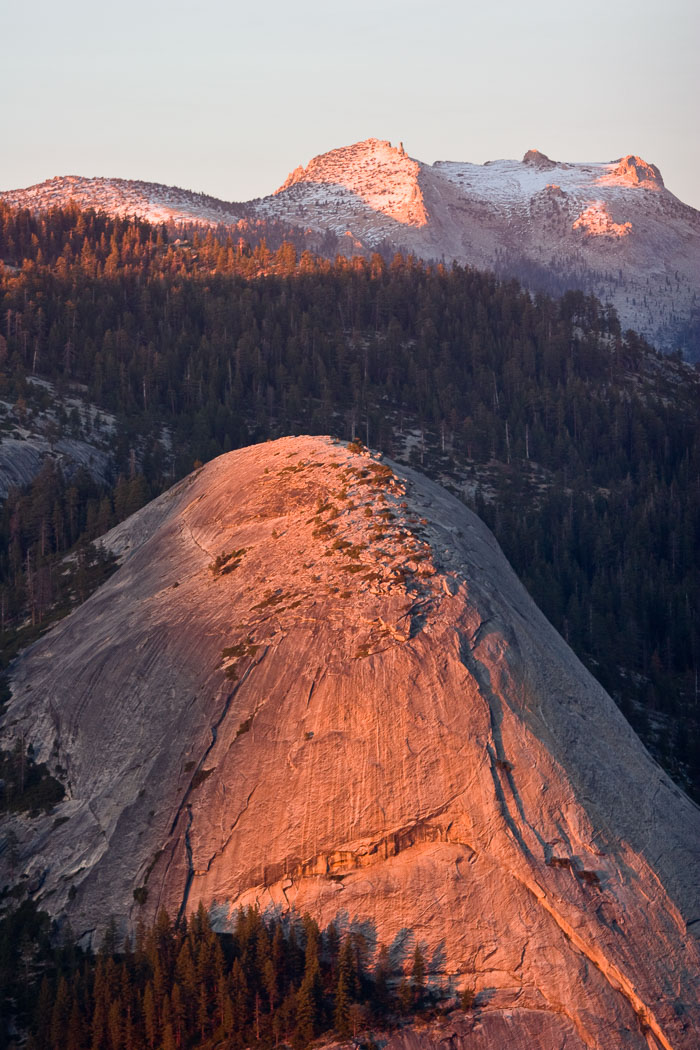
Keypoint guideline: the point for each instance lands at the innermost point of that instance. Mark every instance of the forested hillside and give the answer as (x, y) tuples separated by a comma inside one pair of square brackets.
[(577, 443), (268, 981)]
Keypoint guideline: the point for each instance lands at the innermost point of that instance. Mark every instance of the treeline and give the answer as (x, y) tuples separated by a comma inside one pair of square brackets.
[(577, 443), (270, 981), (92, 244)]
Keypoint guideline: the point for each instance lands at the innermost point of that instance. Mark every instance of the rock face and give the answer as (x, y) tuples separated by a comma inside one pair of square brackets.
[(633, 171), (315, 682), (371, 176), (535, 159), (29, 439)]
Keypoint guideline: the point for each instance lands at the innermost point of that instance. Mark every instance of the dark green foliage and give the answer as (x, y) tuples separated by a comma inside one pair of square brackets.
[(225, 563), (418, 975), (185, 986), (467, 999), (39, 526), (25, 785), (24, 946)]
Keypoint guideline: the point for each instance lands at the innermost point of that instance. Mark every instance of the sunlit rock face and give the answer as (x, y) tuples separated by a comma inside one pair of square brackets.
[(315, 682), (372, 175), (595, 221), (633, 171)]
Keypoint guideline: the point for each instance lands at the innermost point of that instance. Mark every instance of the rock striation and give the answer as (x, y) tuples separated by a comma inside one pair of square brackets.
[(316, 683)]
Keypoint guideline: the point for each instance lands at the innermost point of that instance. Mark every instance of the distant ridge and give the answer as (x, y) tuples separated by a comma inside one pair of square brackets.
[(610, 229), (148, 200)]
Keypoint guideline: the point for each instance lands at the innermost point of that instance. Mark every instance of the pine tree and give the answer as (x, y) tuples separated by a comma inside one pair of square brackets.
[(307, 1011), (341, 1014), (149, 1017), (418, 975), (239, 997), (60, 1013), (381, 981), (75, 1035), (115, 1026), (169, 1040)]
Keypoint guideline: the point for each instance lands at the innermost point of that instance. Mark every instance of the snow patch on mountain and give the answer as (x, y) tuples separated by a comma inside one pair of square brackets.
[(511, 183)]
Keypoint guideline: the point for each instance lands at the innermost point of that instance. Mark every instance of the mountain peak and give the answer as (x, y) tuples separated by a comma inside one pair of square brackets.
[(523, 218), (633, 171), (381, 176), (535, 159)]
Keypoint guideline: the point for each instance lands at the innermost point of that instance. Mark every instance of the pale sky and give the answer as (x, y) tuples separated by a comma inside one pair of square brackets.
[(227, 98)]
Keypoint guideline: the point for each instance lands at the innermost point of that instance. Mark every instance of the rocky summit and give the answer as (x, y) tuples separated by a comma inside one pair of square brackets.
[(316, 683)]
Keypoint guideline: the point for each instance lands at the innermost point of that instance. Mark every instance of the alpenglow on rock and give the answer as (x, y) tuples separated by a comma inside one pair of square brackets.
[(316, 683)]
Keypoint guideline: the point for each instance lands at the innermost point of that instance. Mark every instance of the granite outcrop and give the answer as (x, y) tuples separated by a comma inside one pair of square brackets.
[(316, 683)]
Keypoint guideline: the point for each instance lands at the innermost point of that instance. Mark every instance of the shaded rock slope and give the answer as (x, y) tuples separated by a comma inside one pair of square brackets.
[(315, 682), (27, 440)]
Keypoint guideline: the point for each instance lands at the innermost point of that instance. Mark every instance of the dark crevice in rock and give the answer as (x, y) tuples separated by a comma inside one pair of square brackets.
[(612, 974), (418, 614), (480, 631), (498, 760), (190, 866), (184, 804)]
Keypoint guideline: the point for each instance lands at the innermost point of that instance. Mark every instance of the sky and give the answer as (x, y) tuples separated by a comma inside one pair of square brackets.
[(227, 98)]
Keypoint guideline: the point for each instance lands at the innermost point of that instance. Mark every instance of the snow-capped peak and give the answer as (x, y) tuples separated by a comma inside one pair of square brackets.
[(611, 228)]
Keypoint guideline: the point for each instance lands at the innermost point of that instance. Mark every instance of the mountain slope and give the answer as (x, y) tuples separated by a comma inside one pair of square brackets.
[(149, 200), (317, 683), (27, 443), (611, 229)]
